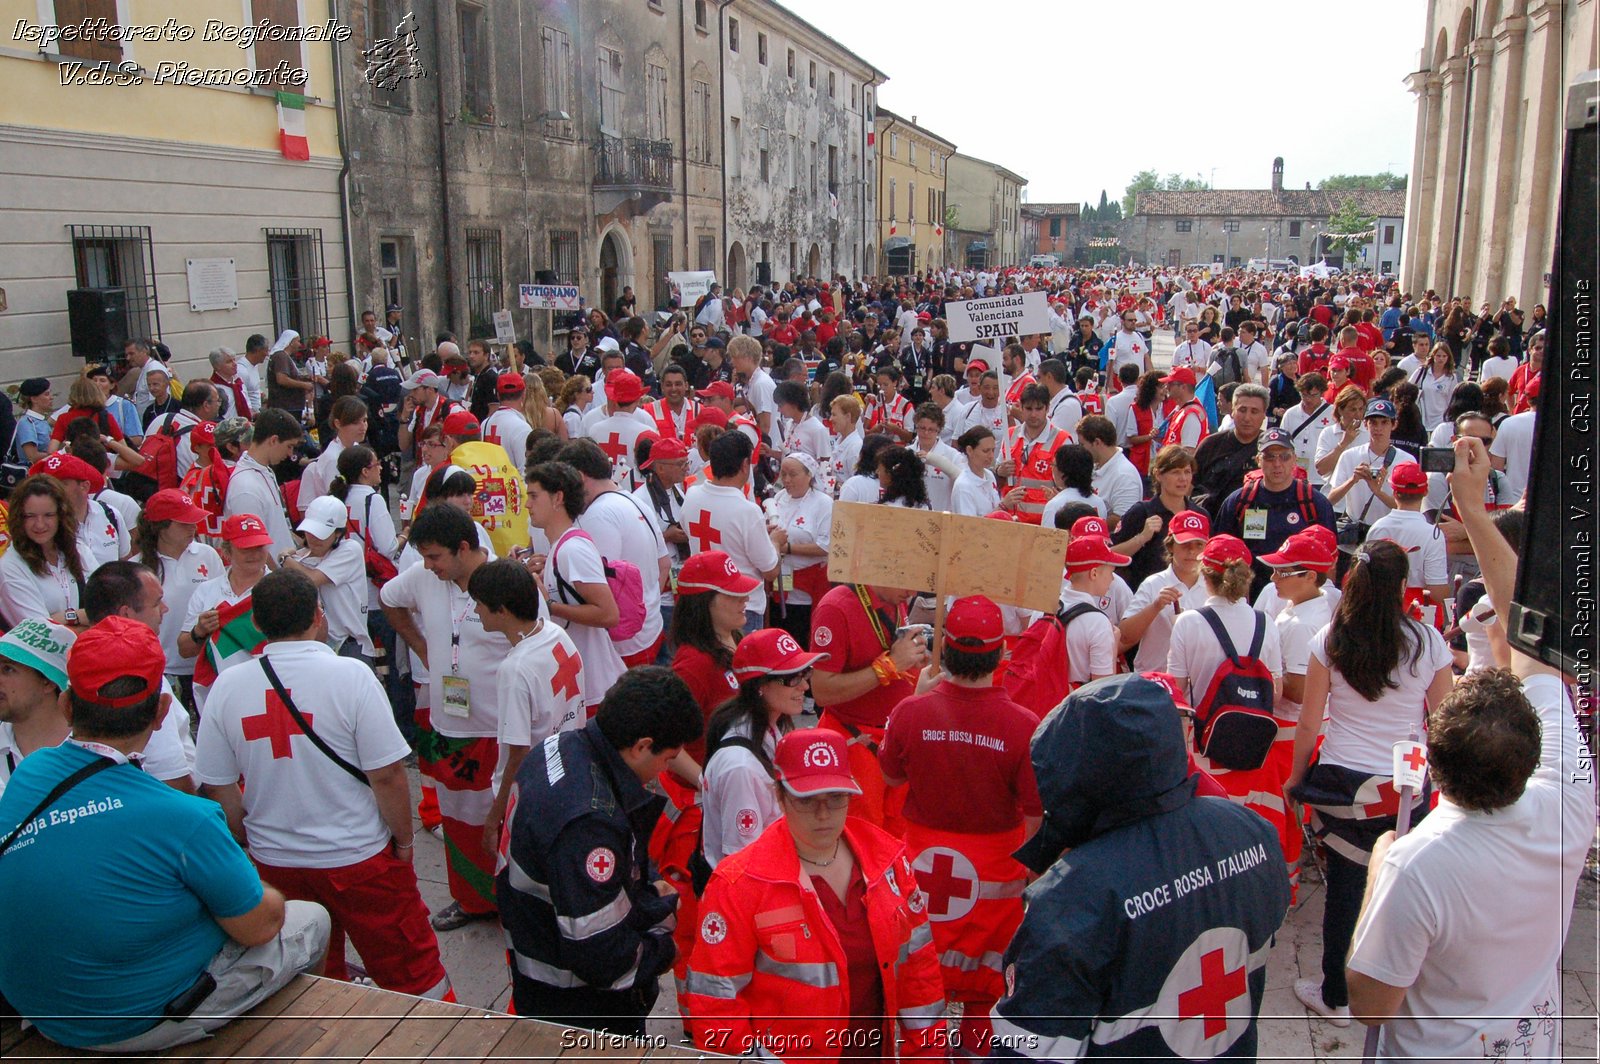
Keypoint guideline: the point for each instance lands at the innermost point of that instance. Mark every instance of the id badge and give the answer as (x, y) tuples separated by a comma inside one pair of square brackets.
[(672, 577), (457, 696), (916, 382), (786, 582), (1255, 524)]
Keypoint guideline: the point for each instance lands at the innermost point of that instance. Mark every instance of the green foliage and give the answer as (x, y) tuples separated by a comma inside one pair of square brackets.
[(1349, 230), (1150, 181), (1382, 182)]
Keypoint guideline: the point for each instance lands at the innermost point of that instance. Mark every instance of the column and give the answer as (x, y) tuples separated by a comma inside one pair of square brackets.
[(1500, 184), (1532, 244), (1480, 55), (1419, 190), (1447, 186)]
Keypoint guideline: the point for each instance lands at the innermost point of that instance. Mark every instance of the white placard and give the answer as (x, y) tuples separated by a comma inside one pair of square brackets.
[(691, 285), (213, 284), (1140, 286), (548, 297), (998, 316), (504, 331), (1410, 764)]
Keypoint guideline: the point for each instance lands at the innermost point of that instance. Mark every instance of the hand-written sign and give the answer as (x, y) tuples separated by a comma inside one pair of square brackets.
[(548, 297), (1016, 564), (998, 316)]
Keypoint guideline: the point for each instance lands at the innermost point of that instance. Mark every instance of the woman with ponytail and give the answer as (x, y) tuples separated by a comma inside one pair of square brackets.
[(1374, 672)]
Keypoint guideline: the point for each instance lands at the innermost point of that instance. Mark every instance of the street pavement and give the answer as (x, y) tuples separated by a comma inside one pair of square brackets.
[(475, 958)]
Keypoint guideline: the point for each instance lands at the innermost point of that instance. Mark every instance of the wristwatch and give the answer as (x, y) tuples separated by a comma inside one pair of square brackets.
[(71, 616)]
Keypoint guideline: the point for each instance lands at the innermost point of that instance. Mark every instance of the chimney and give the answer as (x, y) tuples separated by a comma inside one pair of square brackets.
[(1308, 186), (913, 119), (1277, 174)]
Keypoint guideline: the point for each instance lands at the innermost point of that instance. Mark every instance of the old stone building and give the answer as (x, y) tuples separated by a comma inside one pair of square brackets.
[(1491, 85), (986, 226), (911, 193), (799, 164), (1235, 226), (1050, 229)]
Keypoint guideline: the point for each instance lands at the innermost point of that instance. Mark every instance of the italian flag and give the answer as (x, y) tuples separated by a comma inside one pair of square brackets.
[(238, 634), (292, 126)]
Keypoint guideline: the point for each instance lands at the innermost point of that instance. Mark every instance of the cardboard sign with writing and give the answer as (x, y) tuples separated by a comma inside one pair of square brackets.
[(505, 331), (998, 317), (885, 545)]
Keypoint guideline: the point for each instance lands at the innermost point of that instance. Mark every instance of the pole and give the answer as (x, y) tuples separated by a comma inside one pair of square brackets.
[(1369, 1052)]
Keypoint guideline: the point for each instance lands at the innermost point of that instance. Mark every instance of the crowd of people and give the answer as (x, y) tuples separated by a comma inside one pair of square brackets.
[(587, 591)]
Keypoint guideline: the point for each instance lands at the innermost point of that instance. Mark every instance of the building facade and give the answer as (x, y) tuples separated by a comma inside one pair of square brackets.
[(911, 194), (1232, 227), (1050, 229), (1491, 86), (797, 114), (156, 168), (986, 227)]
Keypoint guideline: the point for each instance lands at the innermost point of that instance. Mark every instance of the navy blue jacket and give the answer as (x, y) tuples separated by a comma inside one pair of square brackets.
[(1149, 937), (577, 894)]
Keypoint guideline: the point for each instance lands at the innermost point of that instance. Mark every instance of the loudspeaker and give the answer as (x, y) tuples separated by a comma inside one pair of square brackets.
[(764, 273), (546, 277), (98, 318), (1552, 613)]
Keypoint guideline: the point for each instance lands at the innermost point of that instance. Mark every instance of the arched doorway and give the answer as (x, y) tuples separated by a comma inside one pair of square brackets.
[(610, 271), (736, 268), (814, 261)]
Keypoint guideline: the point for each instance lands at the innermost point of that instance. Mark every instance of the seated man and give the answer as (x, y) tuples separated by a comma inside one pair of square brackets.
[(129, 901)]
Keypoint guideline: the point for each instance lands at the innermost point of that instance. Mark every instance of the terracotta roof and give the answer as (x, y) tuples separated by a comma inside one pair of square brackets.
[(1262, 202), (1045, 209)]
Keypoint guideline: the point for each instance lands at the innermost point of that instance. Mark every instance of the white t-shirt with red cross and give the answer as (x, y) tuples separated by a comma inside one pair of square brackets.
[(181, 578), (616, 436), (541, 691), (1091, 642), (622, 531), (507, 427), (300, 809), (457, 646), (576, 560), (721, 518)]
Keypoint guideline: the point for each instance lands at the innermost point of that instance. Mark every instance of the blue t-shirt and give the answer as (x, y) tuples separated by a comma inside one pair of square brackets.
[(32, 429), (109, 897), (126, 415), (1282, 513)]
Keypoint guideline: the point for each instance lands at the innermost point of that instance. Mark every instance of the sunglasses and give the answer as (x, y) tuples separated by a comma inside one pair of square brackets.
[(799, 679)]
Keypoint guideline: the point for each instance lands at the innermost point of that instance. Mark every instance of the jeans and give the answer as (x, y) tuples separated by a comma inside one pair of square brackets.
[(1347, 881)]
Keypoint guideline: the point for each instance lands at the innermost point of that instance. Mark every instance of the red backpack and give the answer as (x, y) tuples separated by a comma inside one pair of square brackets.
[(1233, 723), (160, 468), (1304, 496), (1038, 675)]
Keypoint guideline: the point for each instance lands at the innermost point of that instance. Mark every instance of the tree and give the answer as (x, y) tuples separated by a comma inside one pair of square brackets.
[(1382, 182), (1088, 215), (1349, 230), (1150, 181), (1111, 212)]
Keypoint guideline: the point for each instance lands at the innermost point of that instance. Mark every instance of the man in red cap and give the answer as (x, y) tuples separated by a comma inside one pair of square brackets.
[(1419, 537), (225, 942), (506, 424), (1092, 640), (720, 396), (675, 411), (961, 748), (330, 821), (618, 431), (1188, 424)]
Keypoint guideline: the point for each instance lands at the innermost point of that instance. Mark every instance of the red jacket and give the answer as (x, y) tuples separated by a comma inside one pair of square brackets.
[(769, 972)]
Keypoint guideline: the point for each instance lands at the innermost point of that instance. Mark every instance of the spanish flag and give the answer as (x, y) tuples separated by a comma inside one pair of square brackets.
[(236, 635)]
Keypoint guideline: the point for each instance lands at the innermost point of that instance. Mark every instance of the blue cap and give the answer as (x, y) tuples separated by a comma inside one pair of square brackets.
[(715, 341), (1275, 438), (1379, 408)]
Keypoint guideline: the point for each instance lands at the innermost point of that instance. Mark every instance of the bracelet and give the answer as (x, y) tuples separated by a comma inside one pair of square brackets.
[(194, 634), (885, 669), (405, 845)]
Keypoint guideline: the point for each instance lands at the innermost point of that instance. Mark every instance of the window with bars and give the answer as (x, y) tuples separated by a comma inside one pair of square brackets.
[(706, 253), (1230, 226), (1182, 226), (564, 255), (120, 257), (296, 281), (483, 281)]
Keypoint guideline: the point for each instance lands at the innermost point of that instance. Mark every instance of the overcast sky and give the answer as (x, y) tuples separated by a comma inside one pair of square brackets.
[(1216, 85)]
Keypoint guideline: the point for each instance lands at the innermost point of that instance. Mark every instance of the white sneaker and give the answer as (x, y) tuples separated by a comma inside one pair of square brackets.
[(1309, 991), (437, 831)]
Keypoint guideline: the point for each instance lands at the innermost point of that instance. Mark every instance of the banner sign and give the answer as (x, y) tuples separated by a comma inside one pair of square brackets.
[(549, 297), (998, 316)]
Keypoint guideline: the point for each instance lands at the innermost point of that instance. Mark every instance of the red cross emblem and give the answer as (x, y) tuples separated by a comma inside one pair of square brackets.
[(111, 531), (203, 569), (565, 681), (702, 530), (746, 821), (1217, 988), (493, 435), (614, 447), (601, 864), (949, 880), (275, 725), (1387, 802), (1414, 759)]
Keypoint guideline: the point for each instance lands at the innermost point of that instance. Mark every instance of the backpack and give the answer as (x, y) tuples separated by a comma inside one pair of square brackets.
[(380, 568), (627, 587), (160, 468), (1304, 497), (1233, 722), (200, 484), (1039, 676)]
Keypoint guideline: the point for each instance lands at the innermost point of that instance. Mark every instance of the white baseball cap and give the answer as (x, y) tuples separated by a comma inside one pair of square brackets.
[(325, 516)]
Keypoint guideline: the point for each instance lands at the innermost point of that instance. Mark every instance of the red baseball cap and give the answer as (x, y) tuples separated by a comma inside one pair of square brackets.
[(1188, 526), (1303, 550), (717, 390), (113, 648), (1089, 552), (509, 383), (1322, 536), (924, 316), (814, 761), (976, 624), (1000, 515), (170, 504), (460, 423), (624, 386), (1181, 375), (1408, 478), (667, 450), (321, 341), (1339, 362), (709, 415), (246, 530), (771, 652), (205, 432), (977, 364), (1225, 550), (64, 466), (713, 570), (1090, 526)]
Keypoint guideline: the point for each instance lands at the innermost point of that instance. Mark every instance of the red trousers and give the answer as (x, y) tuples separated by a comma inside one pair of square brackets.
[(375, 902)]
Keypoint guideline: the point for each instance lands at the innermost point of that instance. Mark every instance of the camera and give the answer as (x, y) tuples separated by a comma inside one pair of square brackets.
[(924, 630), (1438, 459)]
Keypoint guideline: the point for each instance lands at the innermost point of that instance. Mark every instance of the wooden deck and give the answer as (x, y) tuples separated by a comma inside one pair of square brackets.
[(321, 1019)]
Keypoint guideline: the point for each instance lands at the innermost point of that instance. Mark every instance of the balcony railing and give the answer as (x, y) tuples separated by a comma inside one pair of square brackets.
[(633, 162)]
